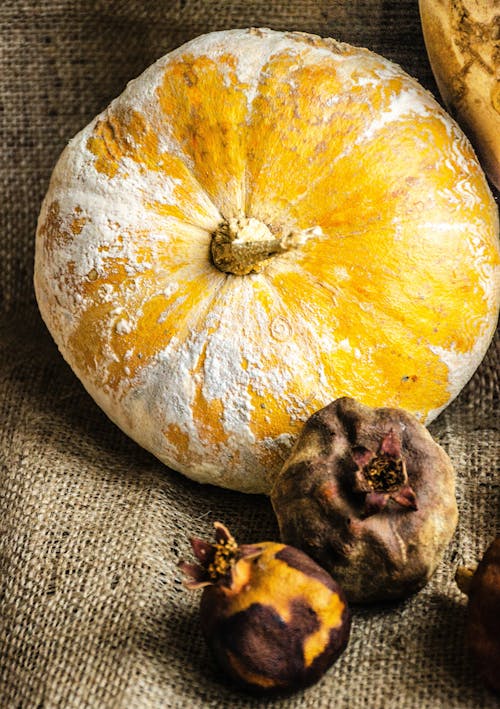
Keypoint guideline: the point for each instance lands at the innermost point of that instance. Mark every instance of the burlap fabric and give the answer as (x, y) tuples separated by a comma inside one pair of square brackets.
[(92, 610)]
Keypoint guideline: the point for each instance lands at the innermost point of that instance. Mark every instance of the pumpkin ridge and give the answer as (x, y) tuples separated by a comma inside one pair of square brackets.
[(122, 136), (394, 313), (192, 88), (303, 52), (254, 111), (358, 335), (341, 96), (302, 46), (203, 192), (252, 177), (157, 207)]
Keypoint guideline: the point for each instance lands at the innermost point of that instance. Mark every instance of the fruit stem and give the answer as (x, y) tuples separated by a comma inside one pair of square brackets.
[(240, 245)]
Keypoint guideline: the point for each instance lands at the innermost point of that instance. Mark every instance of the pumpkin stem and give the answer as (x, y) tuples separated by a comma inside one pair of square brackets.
[(240, 244)]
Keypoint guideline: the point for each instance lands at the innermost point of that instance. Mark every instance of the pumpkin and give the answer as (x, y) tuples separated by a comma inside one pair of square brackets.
[(461, 38), (263, 222)]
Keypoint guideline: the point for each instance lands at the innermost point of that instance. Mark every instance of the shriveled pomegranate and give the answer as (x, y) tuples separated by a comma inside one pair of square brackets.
[(371, 496), (275, 620)]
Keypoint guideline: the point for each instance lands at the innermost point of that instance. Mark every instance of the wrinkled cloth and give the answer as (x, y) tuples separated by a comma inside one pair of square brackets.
[(93, 612)]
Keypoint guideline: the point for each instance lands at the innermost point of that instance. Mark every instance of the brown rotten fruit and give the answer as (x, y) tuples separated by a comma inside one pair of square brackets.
[(371, 496), (274, 619), (482, 585)]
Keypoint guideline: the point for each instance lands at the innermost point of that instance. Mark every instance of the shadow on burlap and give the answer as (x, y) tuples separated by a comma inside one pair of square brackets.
[(92, 609)]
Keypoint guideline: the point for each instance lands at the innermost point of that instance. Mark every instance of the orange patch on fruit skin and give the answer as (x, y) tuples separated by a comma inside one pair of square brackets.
[(365, 360), (327, 605), (210, 107), (253, 679), (52, 236), (305, 117), (112, 356), (123, 134), (181, 442), (78, 222), (126, 134)]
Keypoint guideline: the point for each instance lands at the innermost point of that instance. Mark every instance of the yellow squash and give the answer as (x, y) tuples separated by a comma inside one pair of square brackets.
[(462, 38), (261, 223)]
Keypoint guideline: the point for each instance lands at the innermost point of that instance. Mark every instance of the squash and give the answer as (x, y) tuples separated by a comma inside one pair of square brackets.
[(462, 41), (263, 222)]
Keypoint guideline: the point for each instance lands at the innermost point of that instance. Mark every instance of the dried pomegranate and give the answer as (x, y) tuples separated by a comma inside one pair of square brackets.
[(275, 620), (370, 496), (482, 585)]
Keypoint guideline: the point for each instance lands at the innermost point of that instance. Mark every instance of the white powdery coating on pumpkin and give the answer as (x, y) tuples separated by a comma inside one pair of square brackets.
[(252, 51), (124, 327), (113, 212), (461, 365), (235, 357), (403, 105), (111, 209)]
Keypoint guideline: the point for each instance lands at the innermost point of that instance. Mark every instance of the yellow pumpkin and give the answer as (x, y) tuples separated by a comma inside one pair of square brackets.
[(263, 222)]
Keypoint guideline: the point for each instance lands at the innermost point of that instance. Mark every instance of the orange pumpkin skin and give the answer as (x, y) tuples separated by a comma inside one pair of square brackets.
[(385, 289)]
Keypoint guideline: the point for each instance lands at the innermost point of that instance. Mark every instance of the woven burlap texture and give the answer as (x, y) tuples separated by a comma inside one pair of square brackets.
[(92, 608)]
